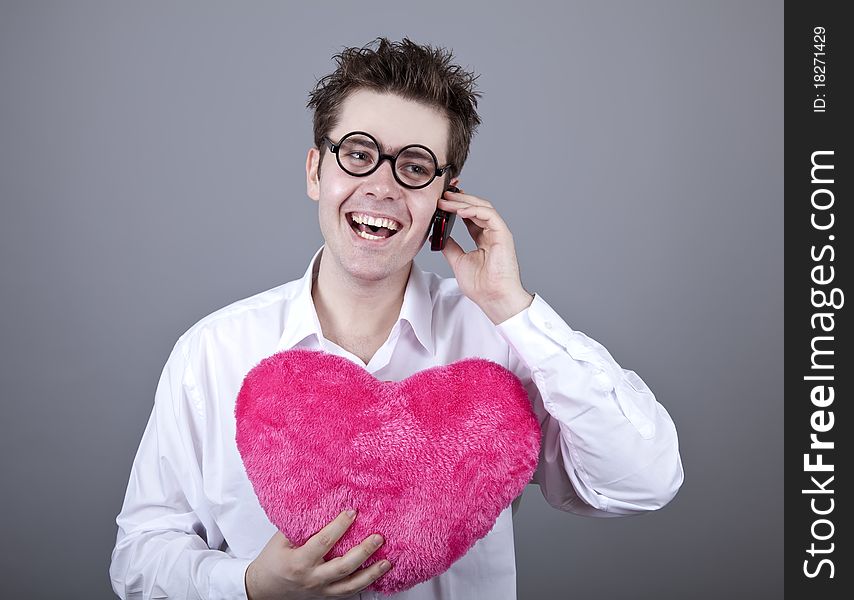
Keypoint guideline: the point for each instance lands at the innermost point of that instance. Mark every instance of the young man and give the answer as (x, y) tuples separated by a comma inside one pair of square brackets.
[(392, 128)]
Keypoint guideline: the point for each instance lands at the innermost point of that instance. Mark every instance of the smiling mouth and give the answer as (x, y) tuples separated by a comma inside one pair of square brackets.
[(371, 228)]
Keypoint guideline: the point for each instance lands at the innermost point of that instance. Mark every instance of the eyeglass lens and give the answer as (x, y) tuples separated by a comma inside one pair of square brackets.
[(358, 154)]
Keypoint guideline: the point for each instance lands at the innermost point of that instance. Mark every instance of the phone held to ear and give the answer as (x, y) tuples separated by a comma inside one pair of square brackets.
[(442, 224)]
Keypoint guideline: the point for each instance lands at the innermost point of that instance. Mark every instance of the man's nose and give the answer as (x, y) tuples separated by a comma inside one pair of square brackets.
[(382, 181)]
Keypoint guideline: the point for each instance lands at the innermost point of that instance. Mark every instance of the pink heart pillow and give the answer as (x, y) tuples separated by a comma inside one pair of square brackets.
[(429, 462)]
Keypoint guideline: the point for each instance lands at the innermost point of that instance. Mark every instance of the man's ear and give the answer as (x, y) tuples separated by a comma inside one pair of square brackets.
[(455, 182), (312, 175)]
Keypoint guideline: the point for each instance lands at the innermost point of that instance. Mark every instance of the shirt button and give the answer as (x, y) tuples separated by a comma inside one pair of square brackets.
[(548, 324)]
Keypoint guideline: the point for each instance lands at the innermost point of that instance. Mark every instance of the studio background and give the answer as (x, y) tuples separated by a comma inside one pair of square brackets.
[(152, 171)]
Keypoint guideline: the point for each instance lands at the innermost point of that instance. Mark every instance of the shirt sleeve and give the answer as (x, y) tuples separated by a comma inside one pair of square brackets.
[(161, 549), (608, 447)]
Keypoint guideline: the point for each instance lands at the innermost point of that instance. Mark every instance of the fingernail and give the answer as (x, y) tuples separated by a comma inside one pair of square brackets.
[(350, 512), (385, 565)]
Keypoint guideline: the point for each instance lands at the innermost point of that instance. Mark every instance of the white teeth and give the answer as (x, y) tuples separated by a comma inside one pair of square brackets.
[(368, 236), (376, 222)]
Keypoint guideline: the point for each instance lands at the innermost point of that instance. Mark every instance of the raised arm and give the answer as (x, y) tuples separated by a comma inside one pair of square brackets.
[(608, 447)]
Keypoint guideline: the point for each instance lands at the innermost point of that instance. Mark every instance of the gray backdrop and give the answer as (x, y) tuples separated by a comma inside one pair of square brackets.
[(152, 170)]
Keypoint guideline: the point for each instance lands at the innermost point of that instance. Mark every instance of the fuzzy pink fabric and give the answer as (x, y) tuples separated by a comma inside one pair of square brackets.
[(429, 462)]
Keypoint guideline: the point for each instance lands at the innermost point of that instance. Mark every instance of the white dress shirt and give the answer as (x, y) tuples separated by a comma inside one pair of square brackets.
[(191, 523)]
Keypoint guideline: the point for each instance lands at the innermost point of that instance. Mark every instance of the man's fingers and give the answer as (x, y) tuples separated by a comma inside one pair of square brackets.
[(321, 542), (484, 217), (359, 580), (474, 230), (467, 199), (452, 250), (342, 566), (282, 539)]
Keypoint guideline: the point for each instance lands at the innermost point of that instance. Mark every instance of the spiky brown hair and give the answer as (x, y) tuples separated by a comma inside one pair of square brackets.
[(416, 72)]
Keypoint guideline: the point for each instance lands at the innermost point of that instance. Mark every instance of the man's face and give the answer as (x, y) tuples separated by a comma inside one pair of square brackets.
[(395, 123)]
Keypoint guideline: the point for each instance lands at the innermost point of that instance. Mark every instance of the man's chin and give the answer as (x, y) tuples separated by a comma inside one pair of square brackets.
[(376, 268), (372, 275)]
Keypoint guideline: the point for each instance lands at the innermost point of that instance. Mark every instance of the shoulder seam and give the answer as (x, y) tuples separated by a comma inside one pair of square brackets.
[(232, 309)]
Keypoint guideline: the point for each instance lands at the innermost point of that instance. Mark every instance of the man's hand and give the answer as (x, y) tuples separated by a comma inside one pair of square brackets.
[(488, 275), (283, 571)]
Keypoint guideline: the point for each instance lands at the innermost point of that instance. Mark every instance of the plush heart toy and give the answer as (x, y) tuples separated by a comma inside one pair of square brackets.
[(429, 462)]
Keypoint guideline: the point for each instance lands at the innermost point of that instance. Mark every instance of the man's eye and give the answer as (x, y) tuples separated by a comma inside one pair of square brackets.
[(416, 169), (358, 155)]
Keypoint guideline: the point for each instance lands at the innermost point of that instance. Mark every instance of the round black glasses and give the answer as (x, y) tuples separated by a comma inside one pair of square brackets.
[(359, 155)]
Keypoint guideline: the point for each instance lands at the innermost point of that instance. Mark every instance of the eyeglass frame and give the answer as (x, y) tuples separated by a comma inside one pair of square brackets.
[(334, 148)]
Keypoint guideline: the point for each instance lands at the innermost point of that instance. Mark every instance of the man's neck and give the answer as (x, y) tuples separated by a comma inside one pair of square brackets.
[(350, 308)]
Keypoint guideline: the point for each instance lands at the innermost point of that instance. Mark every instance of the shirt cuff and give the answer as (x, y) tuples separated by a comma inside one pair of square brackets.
[(536, 318), (227, 580), (538, 333)]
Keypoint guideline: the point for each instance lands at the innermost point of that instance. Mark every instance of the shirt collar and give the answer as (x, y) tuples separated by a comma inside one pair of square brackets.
[(417, 308), (300, 316)]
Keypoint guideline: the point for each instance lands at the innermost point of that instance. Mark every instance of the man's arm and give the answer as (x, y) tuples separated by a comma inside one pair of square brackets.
[(608, 447), (161, 549), (606, 441)]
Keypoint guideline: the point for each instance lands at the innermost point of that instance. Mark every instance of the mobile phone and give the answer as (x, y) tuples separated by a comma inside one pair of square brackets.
[(441, 225)]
